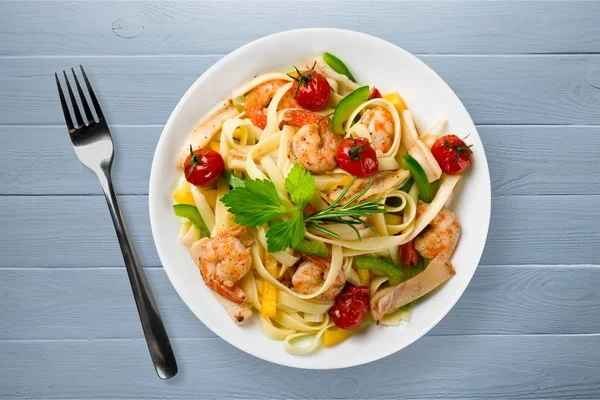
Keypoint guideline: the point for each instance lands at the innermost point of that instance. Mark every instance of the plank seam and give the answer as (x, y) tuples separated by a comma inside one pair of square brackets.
[(167, 55), (534, 335)]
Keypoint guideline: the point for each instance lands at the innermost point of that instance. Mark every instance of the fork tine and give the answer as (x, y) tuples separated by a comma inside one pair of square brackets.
[(63, 103), (73, 102), (92, 95), (86, 108)]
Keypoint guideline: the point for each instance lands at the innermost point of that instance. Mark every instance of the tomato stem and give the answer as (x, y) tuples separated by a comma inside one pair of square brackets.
[(194, 160), (354, 151), (302, 79), (458, 148)]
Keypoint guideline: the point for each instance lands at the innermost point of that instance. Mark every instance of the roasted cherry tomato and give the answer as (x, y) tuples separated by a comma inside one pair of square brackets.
[(311, 89), (452, 154), (203, 167), (375, 93), (409, 254), (357, 156), (351, 307)]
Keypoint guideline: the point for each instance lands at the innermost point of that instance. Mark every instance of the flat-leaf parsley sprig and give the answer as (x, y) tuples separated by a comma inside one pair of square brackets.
[(258, 203)]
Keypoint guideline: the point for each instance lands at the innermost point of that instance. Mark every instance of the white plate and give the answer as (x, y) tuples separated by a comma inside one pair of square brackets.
[(373, 61)]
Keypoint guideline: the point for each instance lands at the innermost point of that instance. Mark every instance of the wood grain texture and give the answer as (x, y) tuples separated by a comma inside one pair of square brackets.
[(523, 160), (78, 232), (96, 303), (528, 325), (209, 27), (451, 367), (551, 89)]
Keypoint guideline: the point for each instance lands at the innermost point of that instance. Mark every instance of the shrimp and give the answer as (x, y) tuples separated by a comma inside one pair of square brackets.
[(314, 145), (224, 260), (441, 238), (300, 117), (258, 100), (310, 276), (380, 124)]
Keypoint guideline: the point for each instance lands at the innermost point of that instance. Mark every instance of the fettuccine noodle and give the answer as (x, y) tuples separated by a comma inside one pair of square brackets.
[(354, 226)]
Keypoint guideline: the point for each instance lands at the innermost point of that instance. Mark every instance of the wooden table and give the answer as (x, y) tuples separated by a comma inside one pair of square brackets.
[(528, 325)]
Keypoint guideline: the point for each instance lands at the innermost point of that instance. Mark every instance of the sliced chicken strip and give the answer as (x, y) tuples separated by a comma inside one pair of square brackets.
[(239, 313), (391, 298), (202, 134)]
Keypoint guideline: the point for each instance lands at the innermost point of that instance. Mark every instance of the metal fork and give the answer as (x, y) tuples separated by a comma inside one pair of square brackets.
[(94, 147)]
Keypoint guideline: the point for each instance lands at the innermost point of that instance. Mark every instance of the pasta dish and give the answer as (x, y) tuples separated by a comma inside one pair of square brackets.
[(316, 205)]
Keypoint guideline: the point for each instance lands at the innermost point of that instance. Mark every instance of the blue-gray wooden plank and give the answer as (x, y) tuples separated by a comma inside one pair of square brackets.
[(517, 89), (96, 303), (53, 315), (125, 28), (523, 230), (446, 367), (523, 160)]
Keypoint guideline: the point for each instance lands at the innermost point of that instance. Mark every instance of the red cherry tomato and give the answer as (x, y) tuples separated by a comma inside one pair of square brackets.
[(203, 167), (375, 93), (453, 155), (351, 307), (357, 156), (311, 90), (409, 254)]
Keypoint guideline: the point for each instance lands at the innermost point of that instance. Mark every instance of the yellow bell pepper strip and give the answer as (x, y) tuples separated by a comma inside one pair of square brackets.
[(214, 146), (192, 214), (426, 189), (381, 265), (365, 277), (183, 195), (346, 106), (313, 248), (209, 194), (268, 304), (233, 180), (397, 101), (335, 335), (338, 65)]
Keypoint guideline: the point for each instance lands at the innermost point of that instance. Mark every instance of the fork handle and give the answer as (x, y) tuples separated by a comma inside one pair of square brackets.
[(154, 329)]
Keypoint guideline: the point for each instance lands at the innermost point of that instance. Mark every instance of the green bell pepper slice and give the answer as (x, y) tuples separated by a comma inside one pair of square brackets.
[(338, 65), (233, 180), (417, 269), (381, 265), (192, 214), (426, 189), (346, 106), (313, 248), (407, 185)]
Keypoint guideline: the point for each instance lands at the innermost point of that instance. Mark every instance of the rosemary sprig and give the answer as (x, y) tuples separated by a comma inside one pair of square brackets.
[(350, 213)]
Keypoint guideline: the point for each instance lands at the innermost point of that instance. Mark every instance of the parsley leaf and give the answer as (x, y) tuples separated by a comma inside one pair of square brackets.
[(285, 234), (254, 204), (257, 202), (300, 184)]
